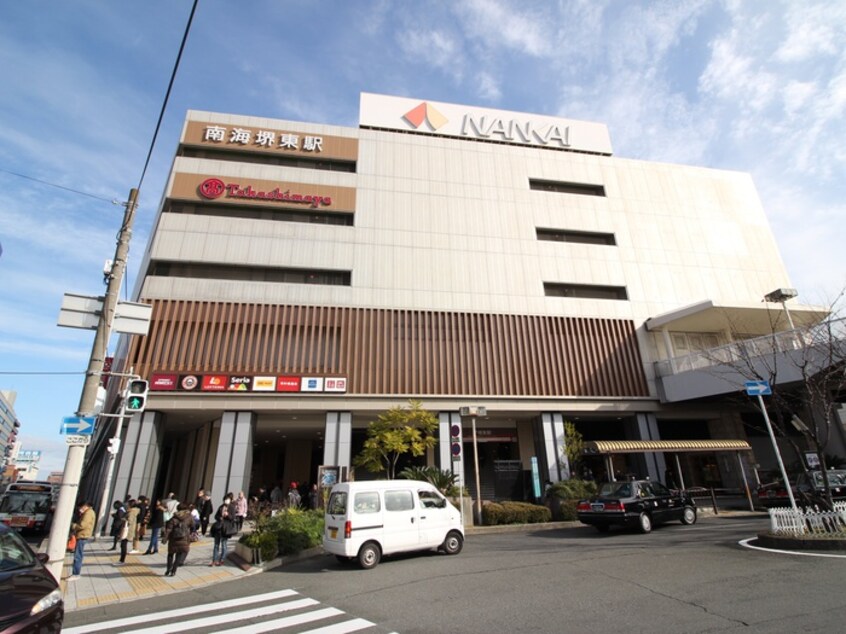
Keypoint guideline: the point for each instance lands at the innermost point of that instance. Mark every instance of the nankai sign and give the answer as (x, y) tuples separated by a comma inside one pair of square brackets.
[(292, 383), (213, 188), (399, 113)]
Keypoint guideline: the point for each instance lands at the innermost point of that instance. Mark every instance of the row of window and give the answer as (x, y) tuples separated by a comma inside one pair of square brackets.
[(330, 165), (260, 213), (198, 270)]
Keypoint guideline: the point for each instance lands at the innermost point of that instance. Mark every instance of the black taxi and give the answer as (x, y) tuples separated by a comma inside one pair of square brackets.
[(639, 504)]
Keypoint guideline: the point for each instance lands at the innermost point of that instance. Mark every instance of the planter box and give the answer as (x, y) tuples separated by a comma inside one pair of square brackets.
[(250, 555)]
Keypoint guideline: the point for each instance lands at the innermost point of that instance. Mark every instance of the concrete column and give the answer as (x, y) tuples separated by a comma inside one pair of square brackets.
[(139, 457), (647, 429), (337, 446), (234, 457), (554, 447)]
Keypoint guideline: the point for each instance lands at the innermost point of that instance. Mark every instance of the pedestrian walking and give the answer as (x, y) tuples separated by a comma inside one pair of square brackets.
[(83, 530), (130, 523), (206, 511), (240, 510), (118, 520), (133, 520), (222, 529), (156, 525), (143, 516), (176, 534)]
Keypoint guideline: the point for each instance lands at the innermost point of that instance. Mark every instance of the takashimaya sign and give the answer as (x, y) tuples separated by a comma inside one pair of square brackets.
[(399, 113), (213, 188)]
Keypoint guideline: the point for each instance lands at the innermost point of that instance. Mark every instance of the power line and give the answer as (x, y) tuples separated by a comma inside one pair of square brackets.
[(167, 94), (43, 373), (68, 189)]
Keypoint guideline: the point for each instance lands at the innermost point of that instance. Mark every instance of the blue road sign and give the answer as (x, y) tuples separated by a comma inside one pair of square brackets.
[(756, 388), (78, 425)]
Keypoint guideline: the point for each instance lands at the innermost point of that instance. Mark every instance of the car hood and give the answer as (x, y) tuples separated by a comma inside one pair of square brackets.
[(22, 588)]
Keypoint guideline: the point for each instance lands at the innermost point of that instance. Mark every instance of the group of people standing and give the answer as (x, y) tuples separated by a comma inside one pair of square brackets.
[(178, 525)]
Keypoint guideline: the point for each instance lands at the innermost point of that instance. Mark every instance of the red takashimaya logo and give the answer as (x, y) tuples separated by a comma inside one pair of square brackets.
[(212, 188)]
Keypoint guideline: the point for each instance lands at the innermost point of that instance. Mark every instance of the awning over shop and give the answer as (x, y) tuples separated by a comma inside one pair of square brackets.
[(594, 447)]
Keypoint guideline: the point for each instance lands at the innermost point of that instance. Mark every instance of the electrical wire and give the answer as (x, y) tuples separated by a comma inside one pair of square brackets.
[(167, 94), (67, 189)]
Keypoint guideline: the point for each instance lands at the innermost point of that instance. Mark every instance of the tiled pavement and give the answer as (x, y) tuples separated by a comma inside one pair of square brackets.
[(142, 576)]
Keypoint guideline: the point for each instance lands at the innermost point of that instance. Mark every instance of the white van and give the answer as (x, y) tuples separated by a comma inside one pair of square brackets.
[(365, 520)]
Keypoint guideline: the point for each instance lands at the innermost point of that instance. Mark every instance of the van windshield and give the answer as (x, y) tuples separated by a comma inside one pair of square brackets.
[(337, 503)]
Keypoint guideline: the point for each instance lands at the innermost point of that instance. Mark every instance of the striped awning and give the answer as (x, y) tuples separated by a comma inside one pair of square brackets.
[(678, 446)]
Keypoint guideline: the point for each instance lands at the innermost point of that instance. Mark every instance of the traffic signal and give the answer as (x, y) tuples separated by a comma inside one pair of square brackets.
[(455, 441), (136, 396)]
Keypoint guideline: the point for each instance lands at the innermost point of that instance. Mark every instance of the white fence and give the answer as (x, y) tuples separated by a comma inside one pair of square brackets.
[(809, 521)]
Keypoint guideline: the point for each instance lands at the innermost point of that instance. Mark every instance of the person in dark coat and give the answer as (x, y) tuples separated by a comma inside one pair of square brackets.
[(206, 510), (176, 534), (118, 522), (222, 529), (156, 524)]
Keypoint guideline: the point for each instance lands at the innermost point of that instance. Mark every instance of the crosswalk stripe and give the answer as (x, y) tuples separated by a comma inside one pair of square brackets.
[(288, 621), (346, 627), (161, 616), (228, 617)]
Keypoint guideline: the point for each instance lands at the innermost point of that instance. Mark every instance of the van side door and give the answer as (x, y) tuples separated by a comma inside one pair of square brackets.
[(435, 518), (401, 523)]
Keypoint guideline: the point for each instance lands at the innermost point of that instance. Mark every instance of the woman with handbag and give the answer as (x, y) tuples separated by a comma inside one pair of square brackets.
[(222, 529)]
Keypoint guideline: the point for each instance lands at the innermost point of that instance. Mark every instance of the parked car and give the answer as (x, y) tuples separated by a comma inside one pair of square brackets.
[(30, 598), (636, 503), (774, 494), (368, 519)]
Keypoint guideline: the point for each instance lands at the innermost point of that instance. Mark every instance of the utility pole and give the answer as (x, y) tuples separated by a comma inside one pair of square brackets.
[(76, 454)]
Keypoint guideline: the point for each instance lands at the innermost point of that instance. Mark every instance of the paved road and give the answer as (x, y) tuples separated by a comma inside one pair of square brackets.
[(676, 579)]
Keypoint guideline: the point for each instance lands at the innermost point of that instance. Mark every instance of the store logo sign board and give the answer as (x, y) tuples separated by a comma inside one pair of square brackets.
[(443, 119), (287, 383)]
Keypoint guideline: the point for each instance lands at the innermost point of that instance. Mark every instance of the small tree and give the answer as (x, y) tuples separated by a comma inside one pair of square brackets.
[(574, 446), (396, 432)]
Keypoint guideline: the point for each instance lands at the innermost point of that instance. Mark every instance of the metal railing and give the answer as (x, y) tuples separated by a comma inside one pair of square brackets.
[(809, 521), (757, 347)]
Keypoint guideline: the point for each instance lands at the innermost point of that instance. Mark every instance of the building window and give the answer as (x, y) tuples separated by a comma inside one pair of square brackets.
[(584, 291), (331, 165), (581, 237), (251, 273), (260, 213), (561, 187)]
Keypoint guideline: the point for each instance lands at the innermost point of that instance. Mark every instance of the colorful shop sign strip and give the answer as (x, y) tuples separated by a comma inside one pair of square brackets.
[(290, 383)]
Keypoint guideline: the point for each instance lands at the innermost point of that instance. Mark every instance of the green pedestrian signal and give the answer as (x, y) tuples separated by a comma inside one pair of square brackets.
[(136, 396)]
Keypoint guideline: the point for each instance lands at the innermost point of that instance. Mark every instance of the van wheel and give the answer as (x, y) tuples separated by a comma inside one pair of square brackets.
[(369, 555), (453, 543)]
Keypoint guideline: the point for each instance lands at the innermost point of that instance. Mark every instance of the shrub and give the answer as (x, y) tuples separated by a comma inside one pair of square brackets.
[(444, 481), (495, 513), (296, 530), (563, 497)]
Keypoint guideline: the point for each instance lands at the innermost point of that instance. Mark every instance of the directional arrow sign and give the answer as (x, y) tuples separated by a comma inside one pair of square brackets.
[(78, 425), (758, 388)]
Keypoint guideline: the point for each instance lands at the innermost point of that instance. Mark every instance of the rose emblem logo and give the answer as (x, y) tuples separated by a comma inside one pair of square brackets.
[(212, 188)]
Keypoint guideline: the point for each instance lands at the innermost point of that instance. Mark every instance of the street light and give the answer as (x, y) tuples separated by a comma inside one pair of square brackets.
[(472, 413), (780, 296)]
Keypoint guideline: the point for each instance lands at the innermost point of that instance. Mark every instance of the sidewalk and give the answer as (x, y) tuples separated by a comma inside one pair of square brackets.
[(102, 583)]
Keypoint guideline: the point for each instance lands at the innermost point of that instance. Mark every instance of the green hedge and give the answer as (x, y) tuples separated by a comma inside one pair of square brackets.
[(290, 530), (494, 513), (563, 497)]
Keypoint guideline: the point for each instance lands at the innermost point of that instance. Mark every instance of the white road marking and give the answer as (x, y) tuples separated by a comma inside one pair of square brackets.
[(277, 624), (161, 616), (343, 628), (745, 543)]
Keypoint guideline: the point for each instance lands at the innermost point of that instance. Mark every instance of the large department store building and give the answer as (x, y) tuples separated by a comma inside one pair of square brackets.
[(306, 277)]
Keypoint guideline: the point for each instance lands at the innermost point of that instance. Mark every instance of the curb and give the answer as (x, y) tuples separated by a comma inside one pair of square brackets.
[(784, 542)]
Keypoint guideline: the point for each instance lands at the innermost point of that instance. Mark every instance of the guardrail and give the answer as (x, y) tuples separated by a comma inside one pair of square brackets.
[(809, 521)]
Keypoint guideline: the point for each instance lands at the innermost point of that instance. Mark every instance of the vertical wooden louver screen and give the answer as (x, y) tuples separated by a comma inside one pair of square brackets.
[(404, 352)]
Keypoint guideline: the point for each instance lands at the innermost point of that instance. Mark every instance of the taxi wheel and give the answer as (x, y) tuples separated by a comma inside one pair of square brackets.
[(644, 523), (688, 516), (453, 543), (369, 555)]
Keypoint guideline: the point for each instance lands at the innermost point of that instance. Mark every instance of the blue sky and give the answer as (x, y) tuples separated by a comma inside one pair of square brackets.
[(755, 85)]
